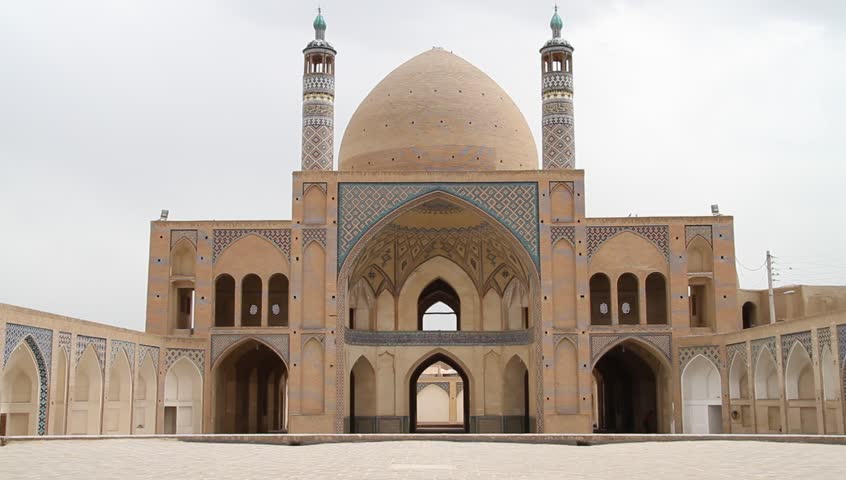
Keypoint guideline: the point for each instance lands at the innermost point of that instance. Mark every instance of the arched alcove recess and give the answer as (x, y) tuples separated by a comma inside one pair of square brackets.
[(19, 392), (313, 377), (493, 384), (700, 267), (750, 315), (700, 257), (516, 305), (417, 371), (767, 403), (433, 406), (702, 397), (492, 310), (314, 285), (449, 273), (386, 385), (146, 391), (60, 404), (561, 203), (314, 206), (600, 299), (224, 301), (738, 379), (250, 390), (656, 299), (566, 377), (831, 392), (632, 389), (628, 304), (117, 417), (87, 397), (183, 400), (251, 304), (278, 300), (515, 400), (362, 405), (183, 259), (741, 417), (564, 284), (362, 306), (801, 391), (385, 311), (438, 293)]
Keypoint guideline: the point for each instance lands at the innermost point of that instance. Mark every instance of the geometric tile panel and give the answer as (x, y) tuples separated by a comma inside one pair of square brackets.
[(691, 231), (127, 347), (195, 355), (220, 343), (317, 147), (16, 333), (65, 342), (435, 338), (658, 235), (824, 339), (787, 342), (361, 205), (82, 341), (153, 352), (574, 338), (841, 340), (559, 146), (279, 237), (42, 381), (737, 348), (567, 233), (600, 343), (711, 352), (759, 344), (308, 185), (442, 385), (177, 235), (314, 235)]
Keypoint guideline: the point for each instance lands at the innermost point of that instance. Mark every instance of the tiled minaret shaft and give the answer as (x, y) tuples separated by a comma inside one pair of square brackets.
[(559, 139), (318, 100)]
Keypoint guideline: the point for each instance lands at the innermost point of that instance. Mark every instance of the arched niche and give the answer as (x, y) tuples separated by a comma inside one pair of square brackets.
[(251, 301), (183, 398), (493, 384), (738, 378), (278, 300), (362, 405), (224, 301), (183, 259), (828, 367), (566, 377), (145, 393), (19, 392), (117, 417), (700, 257), (87, 398), (451, 274), (515, 401), (799, 374), (564, 284), (251, 254), (701, 397), (766, 376), (628, 299), (656, 299), (314, 285), (600, 299), (492, 310), (561, 203), (630, 251), (749, 313), (314, 206), (516, 303), (313, 377)]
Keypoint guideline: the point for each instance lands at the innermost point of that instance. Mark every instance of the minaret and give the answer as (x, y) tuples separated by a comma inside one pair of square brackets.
[(318, 100), (559, 140)]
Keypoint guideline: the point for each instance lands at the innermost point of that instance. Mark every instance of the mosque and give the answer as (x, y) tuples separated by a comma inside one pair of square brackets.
[(437, 281)]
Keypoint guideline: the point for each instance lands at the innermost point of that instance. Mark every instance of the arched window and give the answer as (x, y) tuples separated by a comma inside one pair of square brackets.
[(224, 301), (251, 301), (600, 299), (656, 299), (750, 315), (627, 299), (438, 307), (278, 300)]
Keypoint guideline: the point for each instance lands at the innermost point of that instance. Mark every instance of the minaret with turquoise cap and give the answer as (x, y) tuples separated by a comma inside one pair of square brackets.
[(318, 100), (559, 139)]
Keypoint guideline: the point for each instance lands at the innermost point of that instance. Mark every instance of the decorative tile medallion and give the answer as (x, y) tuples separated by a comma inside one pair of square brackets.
[(197, 356), (602, 342), (704, 231), (82, 341), (314, 235), (658, 235), (144, 351), (277, 342), (16, 333), (788, 340), (225, 237), (177, 235), (711, 352), (567, 233), (362, 205)]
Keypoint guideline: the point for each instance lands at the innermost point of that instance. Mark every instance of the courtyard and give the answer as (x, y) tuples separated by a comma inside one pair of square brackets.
[(173, 459)]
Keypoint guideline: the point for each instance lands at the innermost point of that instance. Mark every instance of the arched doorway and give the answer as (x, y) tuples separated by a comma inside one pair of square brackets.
[(144, 409), (428, 398), (801, 391), (19, 392), (87, 395), (251, 390), (183, 398), (702, 397), (362, 397), (630, 390), (515, 402)]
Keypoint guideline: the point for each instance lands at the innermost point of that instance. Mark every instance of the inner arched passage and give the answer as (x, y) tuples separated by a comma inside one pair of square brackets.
[(438, 401), (631, 390), (250, 390)]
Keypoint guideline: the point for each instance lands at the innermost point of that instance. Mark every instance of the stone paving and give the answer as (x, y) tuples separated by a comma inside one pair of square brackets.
[(173, 459)]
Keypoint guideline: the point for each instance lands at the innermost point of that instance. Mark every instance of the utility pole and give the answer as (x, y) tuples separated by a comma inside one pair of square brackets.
[(770, 287)]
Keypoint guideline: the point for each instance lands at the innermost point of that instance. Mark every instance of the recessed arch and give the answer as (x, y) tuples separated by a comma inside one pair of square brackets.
[(600, 299), (363, 398), (701, 396), (87, 397), (183, 259), (20, 390), (418, 371), (438, 293), (277, 301), (749, 313), (146, 395), (183, 398), (766, 376), (799, 374), (224, 301), (738, 378), (448, 272), (515, 402), (117, 417)]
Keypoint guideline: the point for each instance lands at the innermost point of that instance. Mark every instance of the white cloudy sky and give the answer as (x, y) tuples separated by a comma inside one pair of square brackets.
[(111, 110)]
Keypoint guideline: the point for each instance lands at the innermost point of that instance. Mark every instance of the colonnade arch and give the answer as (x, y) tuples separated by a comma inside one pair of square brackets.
[(19, 391)]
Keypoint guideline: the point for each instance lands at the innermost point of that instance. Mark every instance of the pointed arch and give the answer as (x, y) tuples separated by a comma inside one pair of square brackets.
[(515, 401), (314, 285), (117, 417), (766, 376), (701, 396), (451, 274), (438, 355), (738, 378), (146, 394), (183, 398), (183, 258), (23, 386), (828, 367), (566, 376), (86, 404), (277, 301), (224, 301), (362, 396), (799, 374), (313, 377)]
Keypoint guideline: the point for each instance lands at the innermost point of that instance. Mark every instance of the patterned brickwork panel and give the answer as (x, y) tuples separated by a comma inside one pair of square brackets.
[(737, 349), (82, 342), (692, 231), (220, 343), (824, 339), (434, 338), (759, 344), (177, 235), (42, 384), (559, 146), (601, 342), (567, 233), (711, 352), (314, 235), (841, 340), (308, 185), (568, 336), (362, 205), (279, 237), (15, 334), (147, 350), (128, 348), (65, 343), (318, 145), (658, 235), (195, 355), (442, 385), (787, 342)]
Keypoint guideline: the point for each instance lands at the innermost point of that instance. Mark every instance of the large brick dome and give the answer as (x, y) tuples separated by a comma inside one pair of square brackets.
[(437, 112)]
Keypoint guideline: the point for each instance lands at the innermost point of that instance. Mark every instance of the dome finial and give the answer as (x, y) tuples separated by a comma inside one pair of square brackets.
[(319, 25), (556, 24)]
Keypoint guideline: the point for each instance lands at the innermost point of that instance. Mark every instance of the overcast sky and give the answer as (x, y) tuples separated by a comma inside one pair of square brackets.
[(111, 110)]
